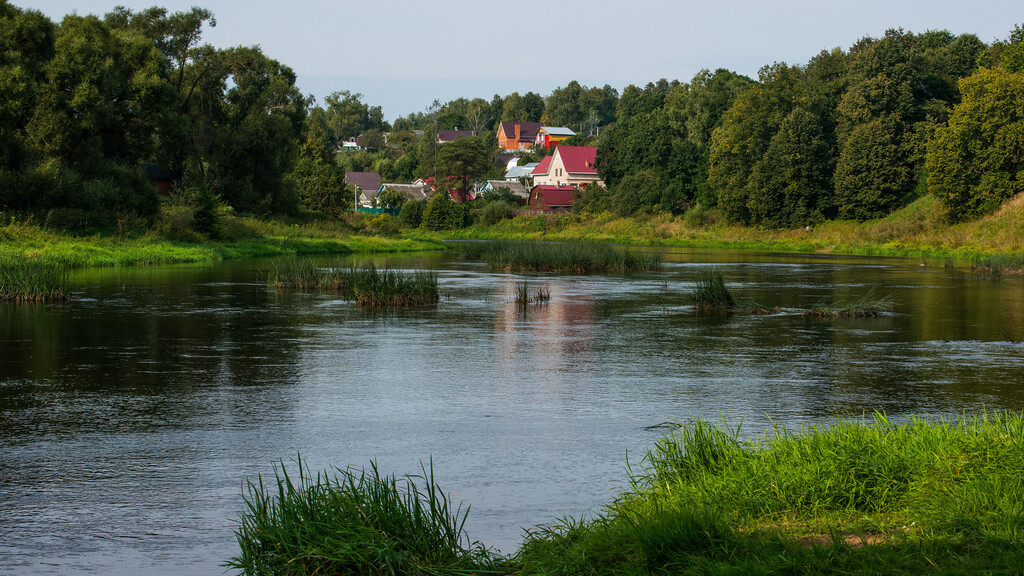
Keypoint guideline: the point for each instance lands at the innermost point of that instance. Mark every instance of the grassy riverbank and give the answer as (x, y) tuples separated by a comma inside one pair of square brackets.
[(241, 238), (919, 230), (867, 497)]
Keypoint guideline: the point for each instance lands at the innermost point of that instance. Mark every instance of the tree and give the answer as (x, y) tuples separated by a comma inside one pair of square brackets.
[(316, 180), (463, 161), (872, 175), (443, 214), (977, 162), (348, 116)]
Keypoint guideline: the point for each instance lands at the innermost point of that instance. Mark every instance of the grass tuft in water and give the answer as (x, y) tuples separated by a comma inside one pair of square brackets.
[(870, 305), (32, 281), (576, 257), (524, 295), (366, 286), (354, 522), (711, 292)]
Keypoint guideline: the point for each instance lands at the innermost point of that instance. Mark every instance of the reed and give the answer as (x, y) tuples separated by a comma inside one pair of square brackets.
[(575, 257), (524, 295), (366, 286), (711, 292), (354, 522), (34, 281), (869, 305)]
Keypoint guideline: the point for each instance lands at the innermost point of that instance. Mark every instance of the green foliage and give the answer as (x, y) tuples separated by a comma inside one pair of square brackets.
[(33, 281), (975, 163), (365, 286), (576, 257), (463, 161), (592, 199), (494, 211), (390, 199), (441, 213), (205, 218), (872, 175), (411, 214), (354, 522), (316, 180), (711, 292)]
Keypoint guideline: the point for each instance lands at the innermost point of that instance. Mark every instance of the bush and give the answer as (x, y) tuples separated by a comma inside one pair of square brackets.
[(411, 214), (442, 213), (494, 212)]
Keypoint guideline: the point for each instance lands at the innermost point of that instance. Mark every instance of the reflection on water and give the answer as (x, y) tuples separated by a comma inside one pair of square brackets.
[(128, 419)]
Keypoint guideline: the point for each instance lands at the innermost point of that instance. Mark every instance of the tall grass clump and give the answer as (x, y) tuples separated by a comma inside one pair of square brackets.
[(576, 257), (34, 281), (869, 305), (711, 293), (524, 295), (859, 497), (366, 286), (353, 522)]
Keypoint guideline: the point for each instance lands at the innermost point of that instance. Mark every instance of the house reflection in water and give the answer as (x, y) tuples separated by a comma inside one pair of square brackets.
[(556, 335)]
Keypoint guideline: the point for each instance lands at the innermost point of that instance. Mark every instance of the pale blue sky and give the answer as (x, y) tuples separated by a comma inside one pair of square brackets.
[(402, 54)]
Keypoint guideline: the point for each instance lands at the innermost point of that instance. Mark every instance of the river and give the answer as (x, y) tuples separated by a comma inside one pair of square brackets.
[(130, 418)]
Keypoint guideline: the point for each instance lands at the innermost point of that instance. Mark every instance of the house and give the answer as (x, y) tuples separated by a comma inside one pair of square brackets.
[(520, 190), (446, 136), (161, 177), (574, 166), (506, 160), (517, 135), (549, 136), (367, 184), (409, 191), (547, 197), (516, 172)]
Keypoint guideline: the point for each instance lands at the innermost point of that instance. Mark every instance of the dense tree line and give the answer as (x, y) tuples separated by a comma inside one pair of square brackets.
[(91, 105)]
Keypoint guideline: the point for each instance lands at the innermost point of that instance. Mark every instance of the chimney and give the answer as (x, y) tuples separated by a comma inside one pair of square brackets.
[(519, 127)]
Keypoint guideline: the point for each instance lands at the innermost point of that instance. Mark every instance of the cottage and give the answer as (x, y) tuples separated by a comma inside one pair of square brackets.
[(552, 198), (549, 136), (446, 136), (574, 166), (366, 184), (518, 188), (517, 135)]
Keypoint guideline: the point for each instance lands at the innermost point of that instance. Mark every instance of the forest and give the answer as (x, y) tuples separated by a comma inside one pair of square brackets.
[(94, 108)]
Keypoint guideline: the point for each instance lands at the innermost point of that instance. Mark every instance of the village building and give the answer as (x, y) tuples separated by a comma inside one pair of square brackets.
[(551, 198), (517, 135), (549, 136), (516, 172), (408, 191), (521, 192), (574, 166), (366, 184), (446, 136)]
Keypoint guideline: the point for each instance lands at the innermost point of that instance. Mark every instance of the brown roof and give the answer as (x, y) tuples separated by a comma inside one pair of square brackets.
[(366, 181), (527, 130), (452, 135)]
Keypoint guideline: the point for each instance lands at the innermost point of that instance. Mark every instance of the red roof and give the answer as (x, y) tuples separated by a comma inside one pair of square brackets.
[(578, 159), (543, 167), (555, 196)]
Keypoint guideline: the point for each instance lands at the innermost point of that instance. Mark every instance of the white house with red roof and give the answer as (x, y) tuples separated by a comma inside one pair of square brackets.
[(574, 166)]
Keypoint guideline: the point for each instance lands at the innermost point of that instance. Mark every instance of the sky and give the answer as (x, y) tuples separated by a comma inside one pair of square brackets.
[(403, 54)]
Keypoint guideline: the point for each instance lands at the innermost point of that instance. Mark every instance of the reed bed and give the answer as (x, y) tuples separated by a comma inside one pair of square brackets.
[(711, 292), (34, 281), (870, 305), (854, 497), (354, 522), (366, 286), (575, 257)]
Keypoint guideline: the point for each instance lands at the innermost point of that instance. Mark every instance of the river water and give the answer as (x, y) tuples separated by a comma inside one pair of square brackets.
[(130, 418)]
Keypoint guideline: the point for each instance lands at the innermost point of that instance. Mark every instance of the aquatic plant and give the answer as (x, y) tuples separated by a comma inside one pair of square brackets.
[(869, 305), (576, 257), (354, 522), (366, 286), (711, 292), (523, 294), (34, 281)]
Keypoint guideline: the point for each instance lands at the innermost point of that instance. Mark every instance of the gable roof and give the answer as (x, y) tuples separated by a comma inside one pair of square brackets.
[(543, 167), (527, 130), (410, 191), (578, 159), (368, 181), (516, 188), (453, 135), (520, 171), (555, 196)]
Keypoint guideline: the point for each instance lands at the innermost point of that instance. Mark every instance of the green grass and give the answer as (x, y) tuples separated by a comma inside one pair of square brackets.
[(575, 257), (711, 292), (863, 497), (366, 286), (354, 522), (866, 496), (33, 281), (869, 305)]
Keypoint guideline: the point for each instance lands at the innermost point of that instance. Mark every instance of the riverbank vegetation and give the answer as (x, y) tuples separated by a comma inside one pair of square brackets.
[(31, 281), (866, 496), (576, 257), (366, 286)]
